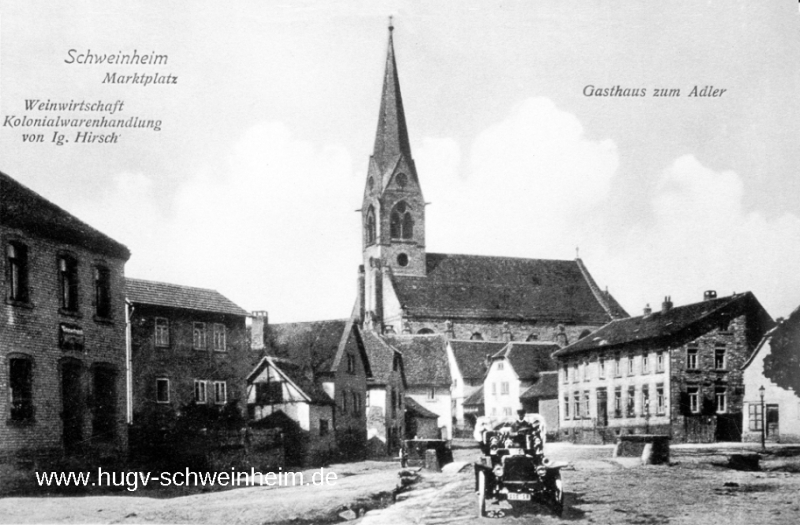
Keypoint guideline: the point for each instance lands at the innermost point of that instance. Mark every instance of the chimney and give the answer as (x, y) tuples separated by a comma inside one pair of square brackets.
[(709, 294), (647, 310), (257, 329), (507, 337), (449, 331), (666, 306), (361, 294)]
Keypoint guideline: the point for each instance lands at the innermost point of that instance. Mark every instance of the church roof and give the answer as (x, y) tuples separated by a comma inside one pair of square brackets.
[(178, 296), (424, 358), (529, 359), (678, 325), (471, 356), (23, 208), (391, 138), (505, 288)]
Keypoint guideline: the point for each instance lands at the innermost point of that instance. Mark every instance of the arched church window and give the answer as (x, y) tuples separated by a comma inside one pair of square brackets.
[(401, 224), (370, 226), (476, 337), (424, 331)]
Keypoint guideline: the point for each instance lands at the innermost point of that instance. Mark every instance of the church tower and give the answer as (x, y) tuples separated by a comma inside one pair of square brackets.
[(393, 209)]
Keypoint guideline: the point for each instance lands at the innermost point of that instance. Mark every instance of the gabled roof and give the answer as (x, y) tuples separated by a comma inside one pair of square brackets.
[(23, 208), (678, 325), (318, 344), (296, 375), (505, 288), (475, 398), (424, 358), (545, 388), (381, 356), (418, 410), (529, 359), (178, 296), (471, 356)]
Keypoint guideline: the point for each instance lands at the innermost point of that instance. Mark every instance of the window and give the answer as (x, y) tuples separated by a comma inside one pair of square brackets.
[(351, 364), (565, 372), (162, 390), (476, 337), (68, 282), (269, 393), (370, 226), (659, 361), (323, 427), (401, 179), (432, 394), (694, 399), (494, 389), (219, 338), (586, 405), (587, 372), (200, 394), (645, 363), (17, 254), (199, 336), (401, 224), (162, 332), (576, 405), (220, 392), (618, 401), (500, 365), (721, 400), (755, 416), (617, 366), (506, 411), (356, 410), (102, 291), (402, 260), (630, 365), (534, 336), (629, 405), (20, 380), (394, 403), (645, 400), (566, 407), (424, 331), (504, 388), (602, 367), (661, 404), (104, 420), (691, 358), (719, 358), (575, 376)]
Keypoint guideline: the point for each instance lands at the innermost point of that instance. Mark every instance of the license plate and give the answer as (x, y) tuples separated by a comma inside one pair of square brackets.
[(519, 496)]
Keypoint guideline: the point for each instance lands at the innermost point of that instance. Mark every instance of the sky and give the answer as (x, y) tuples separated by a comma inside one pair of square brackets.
[(251, 183)]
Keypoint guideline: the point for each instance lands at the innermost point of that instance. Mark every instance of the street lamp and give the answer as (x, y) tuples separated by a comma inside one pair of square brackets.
[(763, 422)]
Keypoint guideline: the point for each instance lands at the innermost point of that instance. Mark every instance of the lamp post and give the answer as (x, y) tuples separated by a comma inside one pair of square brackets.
[(763, 421)]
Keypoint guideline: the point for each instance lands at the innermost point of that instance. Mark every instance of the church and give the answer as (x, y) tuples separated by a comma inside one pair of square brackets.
[(405, 289)]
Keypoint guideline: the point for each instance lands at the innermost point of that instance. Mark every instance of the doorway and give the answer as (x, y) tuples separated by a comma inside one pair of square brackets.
[(71, 405)]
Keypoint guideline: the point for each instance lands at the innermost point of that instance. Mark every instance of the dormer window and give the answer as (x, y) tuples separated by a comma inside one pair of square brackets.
[(401, 224), (370, 226)]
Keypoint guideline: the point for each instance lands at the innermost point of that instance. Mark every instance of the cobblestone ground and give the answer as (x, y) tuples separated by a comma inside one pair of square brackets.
[(697, 488)]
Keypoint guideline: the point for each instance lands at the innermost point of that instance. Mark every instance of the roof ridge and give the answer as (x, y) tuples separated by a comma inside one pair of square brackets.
[(172, 284), (499, 257), (594, 288)]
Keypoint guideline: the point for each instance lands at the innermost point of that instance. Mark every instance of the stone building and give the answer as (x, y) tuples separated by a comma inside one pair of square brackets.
[(676, 371), (189, 345), (62, 331), (774, 370), (331, 355), (404, 288)]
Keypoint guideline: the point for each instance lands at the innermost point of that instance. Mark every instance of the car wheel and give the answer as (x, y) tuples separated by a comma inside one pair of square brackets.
[(481, 493)]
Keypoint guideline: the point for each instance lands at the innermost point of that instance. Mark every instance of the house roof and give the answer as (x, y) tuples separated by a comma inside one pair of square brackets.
[(475, 398), (23, 208), (545, 388), (178, 296), (471, 356), (505, 288), (297, 374), (418, 410), (315, 343), (678, 323), (424, 358), (529, 358), (381, 356)]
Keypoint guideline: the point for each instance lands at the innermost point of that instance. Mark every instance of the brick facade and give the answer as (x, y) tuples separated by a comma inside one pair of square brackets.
[(70, 351)]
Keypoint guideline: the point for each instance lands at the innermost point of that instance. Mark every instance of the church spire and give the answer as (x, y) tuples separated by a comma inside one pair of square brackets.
[(391, 138)]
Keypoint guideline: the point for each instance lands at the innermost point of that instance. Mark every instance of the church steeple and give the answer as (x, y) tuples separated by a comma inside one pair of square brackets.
[(391, 139)]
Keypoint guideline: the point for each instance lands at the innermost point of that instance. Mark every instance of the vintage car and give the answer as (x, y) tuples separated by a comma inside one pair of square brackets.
[(513, 468)]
